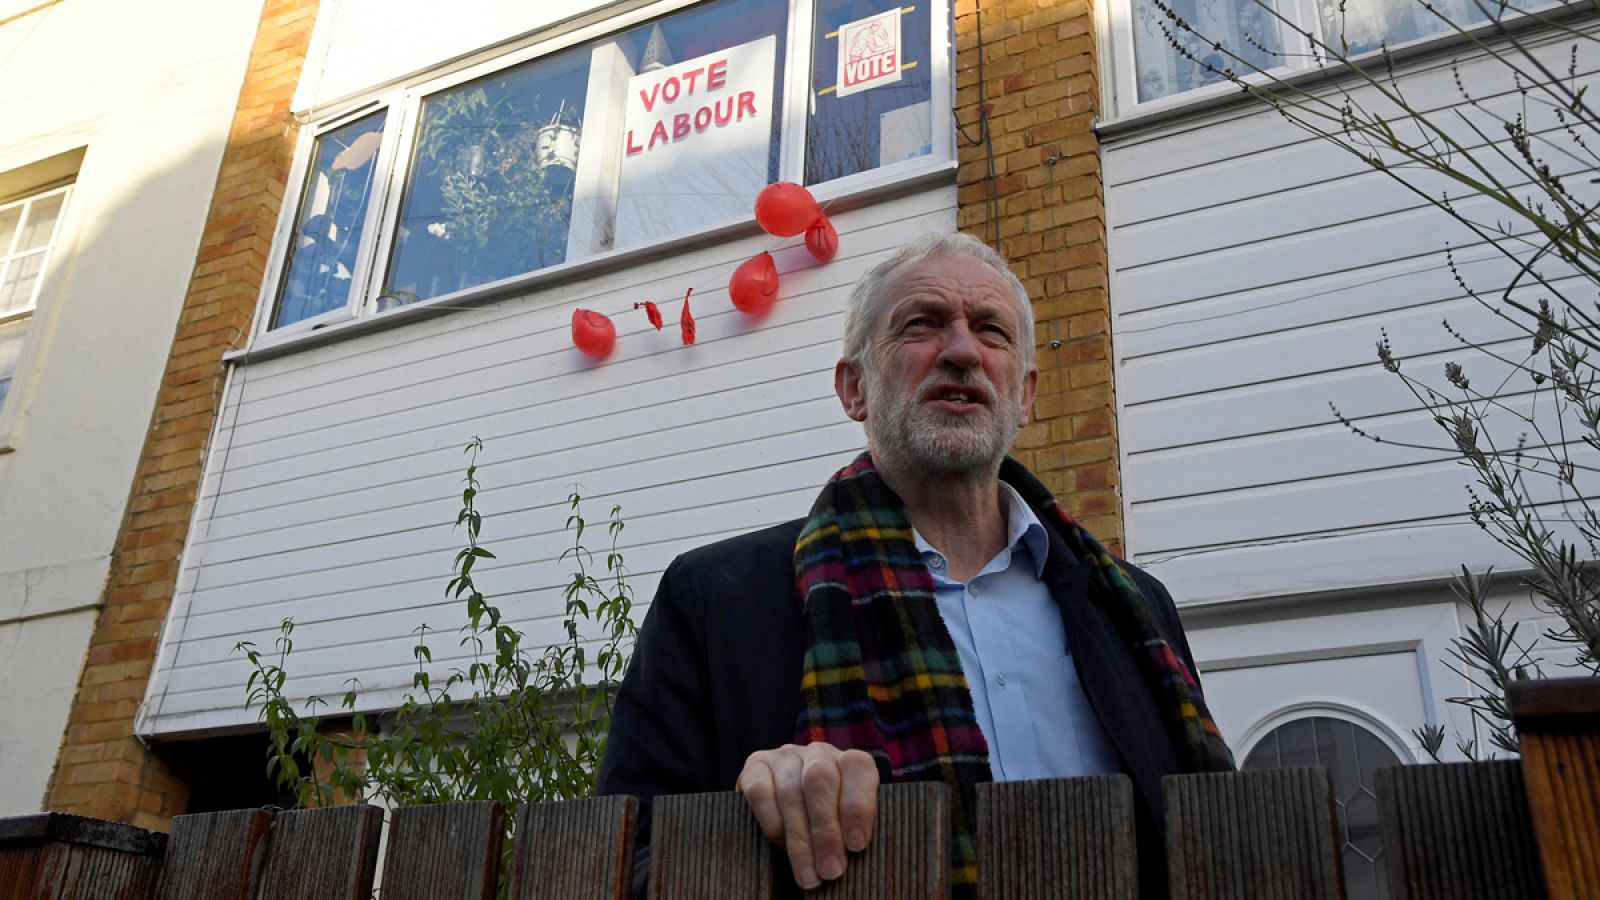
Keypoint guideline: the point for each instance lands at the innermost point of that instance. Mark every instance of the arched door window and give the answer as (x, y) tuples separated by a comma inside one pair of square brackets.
[(1352, 755)]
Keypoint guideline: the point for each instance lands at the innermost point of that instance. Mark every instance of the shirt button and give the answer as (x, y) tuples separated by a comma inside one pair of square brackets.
[(1001, 679)]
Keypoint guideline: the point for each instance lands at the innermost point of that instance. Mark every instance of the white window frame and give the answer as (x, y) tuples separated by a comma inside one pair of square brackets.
[(403, 104), (283, 236), (10, 407), (1121, 93)]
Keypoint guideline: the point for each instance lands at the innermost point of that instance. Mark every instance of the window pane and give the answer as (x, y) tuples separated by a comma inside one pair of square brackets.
[(491, 179), (40, 222), (1352, 756), (21, 280), (659, 130), (329, 224), (10, 351), (1369, 24), (871, 87), (8, 230), (1243, 27)]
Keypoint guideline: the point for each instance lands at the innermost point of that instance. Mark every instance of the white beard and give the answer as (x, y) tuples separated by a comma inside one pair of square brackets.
[(913, 435)]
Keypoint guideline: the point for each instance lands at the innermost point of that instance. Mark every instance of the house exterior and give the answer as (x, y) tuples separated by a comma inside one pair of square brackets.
[(447, 191), (340, 240), (106, 171)]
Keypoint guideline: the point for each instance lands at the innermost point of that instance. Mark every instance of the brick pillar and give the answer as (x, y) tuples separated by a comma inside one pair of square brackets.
[(1042, 92), (102, 769)]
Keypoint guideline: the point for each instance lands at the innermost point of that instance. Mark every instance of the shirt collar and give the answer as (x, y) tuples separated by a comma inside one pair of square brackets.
[(1022, 527)]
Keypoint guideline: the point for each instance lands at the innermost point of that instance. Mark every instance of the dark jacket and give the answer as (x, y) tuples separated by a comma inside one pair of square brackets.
[(716, 676)]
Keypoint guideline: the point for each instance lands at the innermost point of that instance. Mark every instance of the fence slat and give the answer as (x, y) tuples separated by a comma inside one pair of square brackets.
[(708, 846), (64, 857), (1558, 721), (576, 850), (909, 856), (1252, 836), (322, 853), (1061, 838), (444, 851), (1458, 832), (214, 856)]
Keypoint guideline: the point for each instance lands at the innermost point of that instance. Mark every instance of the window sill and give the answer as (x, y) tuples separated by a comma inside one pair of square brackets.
[(837, 196), (1226, 96)]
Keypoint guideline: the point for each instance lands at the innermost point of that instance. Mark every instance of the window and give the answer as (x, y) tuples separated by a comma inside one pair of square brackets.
[(28, 229), (661, 128), (1352, 755), (1265, 34)]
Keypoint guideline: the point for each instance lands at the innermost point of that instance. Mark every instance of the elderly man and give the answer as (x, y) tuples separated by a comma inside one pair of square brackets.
[(938, 616)]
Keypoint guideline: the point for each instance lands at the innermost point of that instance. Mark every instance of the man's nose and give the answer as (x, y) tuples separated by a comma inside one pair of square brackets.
[(961, 347)]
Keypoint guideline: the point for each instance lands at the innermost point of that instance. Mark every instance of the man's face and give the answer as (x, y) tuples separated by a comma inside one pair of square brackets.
[(944, 388)]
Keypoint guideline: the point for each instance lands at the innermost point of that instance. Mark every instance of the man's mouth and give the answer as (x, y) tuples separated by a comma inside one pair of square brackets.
[(957, 397)]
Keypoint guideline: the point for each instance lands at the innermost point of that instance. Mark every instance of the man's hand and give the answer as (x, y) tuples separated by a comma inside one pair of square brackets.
[(816, 801)]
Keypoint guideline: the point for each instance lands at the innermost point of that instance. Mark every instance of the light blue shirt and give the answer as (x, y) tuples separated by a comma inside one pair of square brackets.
[(1013, 648)]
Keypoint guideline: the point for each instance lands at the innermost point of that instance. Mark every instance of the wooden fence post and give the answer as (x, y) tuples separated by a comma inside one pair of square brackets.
[(1458, 831), (575, 850), (444, 851), (329, 853), (64, 857), (909, 857), (708, 846), (1252, 836), (1558, 722), (1061, 838), (215, 856)]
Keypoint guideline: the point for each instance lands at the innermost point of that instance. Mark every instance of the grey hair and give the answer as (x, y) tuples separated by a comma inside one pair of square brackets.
[(865, 305)]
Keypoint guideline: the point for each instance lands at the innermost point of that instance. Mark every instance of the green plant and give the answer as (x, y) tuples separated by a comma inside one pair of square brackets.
[(1521, 183), (517, 725)]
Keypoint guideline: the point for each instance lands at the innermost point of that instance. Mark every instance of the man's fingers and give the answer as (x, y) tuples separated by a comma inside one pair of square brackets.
[(822, 782), (858, 798), (787, 776), (817, 801), (760, 792)]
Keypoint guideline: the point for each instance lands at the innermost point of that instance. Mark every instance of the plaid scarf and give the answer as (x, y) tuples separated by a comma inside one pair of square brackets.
[(881, 672)]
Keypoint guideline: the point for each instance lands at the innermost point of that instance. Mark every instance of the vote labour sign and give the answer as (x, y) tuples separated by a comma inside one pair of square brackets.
[(695, 141), (869, 52)]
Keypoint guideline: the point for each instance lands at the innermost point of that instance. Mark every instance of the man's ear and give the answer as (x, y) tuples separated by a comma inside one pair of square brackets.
[(1030, 389), (852, 393)]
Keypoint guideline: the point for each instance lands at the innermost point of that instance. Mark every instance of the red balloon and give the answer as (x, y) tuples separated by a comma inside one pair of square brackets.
[(754, 285), (593, 333), (822, 240), (786, 209)]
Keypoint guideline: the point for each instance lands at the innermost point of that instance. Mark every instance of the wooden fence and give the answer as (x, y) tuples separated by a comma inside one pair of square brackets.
[(1504, 830)]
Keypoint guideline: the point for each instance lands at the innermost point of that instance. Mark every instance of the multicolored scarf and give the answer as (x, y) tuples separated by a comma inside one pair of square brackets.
[(881, 672)]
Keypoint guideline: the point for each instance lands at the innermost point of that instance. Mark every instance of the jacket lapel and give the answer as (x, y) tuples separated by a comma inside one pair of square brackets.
[(1115, 687)]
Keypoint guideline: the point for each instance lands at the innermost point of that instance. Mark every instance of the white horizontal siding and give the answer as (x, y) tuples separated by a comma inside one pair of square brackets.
[(334, 482), (1253, 270)]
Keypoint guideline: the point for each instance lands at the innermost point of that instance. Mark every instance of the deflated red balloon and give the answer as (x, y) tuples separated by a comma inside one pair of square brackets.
[(822, 240), (786, 209), (651, 312), (754, 285), (593, 333), (686, 320)]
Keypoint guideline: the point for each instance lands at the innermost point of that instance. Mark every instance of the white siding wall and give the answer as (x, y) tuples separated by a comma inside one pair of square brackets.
[(1253, 267), (335, 477)]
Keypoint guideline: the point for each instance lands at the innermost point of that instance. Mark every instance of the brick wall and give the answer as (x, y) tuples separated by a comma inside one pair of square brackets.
[(102, 769), (1042, 92)]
